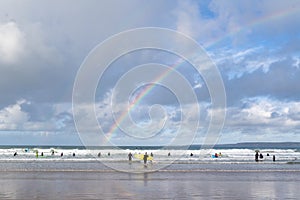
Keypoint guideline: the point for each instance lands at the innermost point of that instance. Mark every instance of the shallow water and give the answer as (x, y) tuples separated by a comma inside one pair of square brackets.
[(158, 185)]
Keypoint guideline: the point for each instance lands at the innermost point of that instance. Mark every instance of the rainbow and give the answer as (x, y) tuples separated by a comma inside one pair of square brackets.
[(149, 87), (141, 96)]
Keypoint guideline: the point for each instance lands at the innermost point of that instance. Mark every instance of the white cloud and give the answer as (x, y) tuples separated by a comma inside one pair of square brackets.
[(265, 112), (297, 62), (237, 63), (12, 117), (190, 22), (12, 42)]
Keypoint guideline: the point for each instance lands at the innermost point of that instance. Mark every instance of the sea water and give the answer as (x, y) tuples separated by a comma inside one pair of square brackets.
[(111, 158), (233, 175)]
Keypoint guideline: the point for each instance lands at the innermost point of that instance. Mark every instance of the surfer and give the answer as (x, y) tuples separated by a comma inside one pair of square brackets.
[(145, 158), (130, 156)]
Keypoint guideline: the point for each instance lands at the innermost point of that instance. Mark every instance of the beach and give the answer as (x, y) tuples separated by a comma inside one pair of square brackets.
[(233, 175)]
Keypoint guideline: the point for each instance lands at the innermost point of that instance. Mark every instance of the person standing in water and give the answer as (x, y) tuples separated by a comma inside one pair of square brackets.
[(256, 156), (130, 156), (145, 158)]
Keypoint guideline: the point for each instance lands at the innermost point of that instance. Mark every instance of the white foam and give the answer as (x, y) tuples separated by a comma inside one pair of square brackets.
[(228, 155)]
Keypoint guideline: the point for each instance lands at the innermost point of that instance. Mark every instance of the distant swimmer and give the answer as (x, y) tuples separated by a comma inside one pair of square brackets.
[(274, 158), (145, 158), (99, 154), (73, 154), (62, 154), (108, 154), (191, 154), (169, 154), (130, 156), (42, 154), (15, 154), (151, 154)]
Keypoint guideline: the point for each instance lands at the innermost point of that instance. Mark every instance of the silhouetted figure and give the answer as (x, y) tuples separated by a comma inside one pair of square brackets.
[(145, 158), (42, 154), (256, 156), (108, 154), (216, 155), (169, 154), (151, 154), (73, 154), (268, 154), (130, 156), (15, 154), (62, 154), (273, 158), (191, 154), (261, 156), (99, 154)]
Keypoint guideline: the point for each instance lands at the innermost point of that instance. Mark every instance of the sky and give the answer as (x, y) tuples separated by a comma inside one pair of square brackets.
[(254, 44)]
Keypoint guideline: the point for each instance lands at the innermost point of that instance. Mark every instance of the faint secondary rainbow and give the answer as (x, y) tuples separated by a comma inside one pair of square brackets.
[(149, 87), (258, 21)]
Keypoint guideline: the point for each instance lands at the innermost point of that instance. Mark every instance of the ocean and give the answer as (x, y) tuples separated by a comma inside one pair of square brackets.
[(174, 172)]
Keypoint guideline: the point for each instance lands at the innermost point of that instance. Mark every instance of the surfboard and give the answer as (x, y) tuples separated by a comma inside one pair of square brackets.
[(141, 157)]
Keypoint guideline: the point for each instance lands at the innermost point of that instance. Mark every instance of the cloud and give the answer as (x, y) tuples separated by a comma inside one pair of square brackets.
[(237, 63), (237, 23), (255, 44), (265, 112), (12, 43), (22, 116), (12, 117)]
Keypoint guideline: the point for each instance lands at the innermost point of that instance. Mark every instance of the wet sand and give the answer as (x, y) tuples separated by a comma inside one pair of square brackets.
[(157, 185)]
